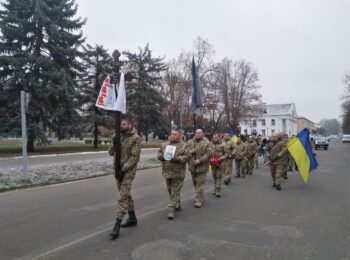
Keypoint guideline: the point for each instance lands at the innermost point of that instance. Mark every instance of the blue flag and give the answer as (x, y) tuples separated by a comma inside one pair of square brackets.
[(197, 99)]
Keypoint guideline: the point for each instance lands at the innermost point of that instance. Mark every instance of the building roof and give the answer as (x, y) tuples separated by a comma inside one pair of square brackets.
[(281, 109), (306, 119)]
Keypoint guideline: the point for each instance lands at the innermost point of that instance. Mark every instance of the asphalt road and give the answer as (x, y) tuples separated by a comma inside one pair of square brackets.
[(50, 159), (250, 221)]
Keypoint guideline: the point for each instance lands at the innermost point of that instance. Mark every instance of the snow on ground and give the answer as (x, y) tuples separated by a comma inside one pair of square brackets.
[(62, 172)]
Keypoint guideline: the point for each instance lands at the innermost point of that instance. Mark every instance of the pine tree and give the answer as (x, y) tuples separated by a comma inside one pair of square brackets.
[(39, 53), (98, 64), (144, 102)]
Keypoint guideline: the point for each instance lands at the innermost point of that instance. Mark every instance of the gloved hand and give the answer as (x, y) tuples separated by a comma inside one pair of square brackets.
[(161, 158), (120, 175)]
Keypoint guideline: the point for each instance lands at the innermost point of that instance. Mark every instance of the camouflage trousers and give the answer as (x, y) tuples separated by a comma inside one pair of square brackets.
[(251, 164), (256, 160), (199, 179), (227, 169), (174, 187), (277, 173), (291, 162), (125, 202), (240, 164), (217, 175)]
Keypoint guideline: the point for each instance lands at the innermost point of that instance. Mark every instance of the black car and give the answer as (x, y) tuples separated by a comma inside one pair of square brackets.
[(321, 142)]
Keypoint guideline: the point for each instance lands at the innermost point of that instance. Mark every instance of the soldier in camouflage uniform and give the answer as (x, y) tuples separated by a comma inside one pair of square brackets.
[(275, 152), (285, 158), (174, 169), (129, 157), (252, 148), (220, 154), (229, 161), (257, 154), (239, 154), (245, 163), (201, 151)]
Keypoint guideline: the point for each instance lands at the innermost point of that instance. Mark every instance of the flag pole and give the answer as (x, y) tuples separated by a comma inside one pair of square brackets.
[(194, 123), (117, 168)]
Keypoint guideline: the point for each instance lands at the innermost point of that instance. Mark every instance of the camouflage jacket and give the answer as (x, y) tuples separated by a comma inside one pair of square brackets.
[(284, 153), (130, 153), (204, 152), (240, 151), (230, 146), (221, 150), (176, 167), (273, 150), (252, 148)]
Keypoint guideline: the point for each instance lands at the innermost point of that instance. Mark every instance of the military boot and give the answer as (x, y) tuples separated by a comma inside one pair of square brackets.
[(171, 213), (278, 187), (115, 232), (197, 204), (218, 194), (131, 221)]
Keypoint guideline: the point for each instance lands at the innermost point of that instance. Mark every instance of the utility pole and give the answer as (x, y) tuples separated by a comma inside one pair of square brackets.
[(24, 105)]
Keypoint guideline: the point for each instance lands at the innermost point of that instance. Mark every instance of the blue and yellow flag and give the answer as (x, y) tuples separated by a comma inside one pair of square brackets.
[(233, 136), (300, 149)]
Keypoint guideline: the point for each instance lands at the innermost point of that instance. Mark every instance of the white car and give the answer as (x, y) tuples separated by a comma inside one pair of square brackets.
[(346, 138)]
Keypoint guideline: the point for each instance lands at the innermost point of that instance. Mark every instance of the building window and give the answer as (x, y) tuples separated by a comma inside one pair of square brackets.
[(273, 122), (254, 123), (263, 132), (272, 131), (263, 122)]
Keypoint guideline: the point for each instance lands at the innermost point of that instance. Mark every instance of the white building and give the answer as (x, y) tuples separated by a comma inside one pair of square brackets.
[(275, 118)]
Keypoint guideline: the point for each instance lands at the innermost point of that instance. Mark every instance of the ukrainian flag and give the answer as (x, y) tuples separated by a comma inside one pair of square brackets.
[(233, 136), (300, 149)]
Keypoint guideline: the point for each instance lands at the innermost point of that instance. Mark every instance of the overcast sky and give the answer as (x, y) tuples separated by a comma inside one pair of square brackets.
[(301, 48)]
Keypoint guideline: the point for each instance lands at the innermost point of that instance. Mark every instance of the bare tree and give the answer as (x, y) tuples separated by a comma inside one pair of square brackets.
[(239, 86), (177, 81)]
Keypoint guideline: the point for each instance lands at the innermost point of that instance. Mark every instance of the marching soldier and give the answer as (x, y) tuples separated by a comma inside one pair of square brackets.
[(201, 151), (286, 156), (240, 157), (130, 154), (220, 153), (174, 156), (275, 152), (252, 148), (257, 153), (229, 161)]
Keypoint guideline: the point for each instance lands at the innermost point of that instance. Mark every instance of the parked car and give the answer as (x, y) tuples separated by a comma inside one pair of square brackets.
[(346, 138), (321, 142), (331, 137)]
